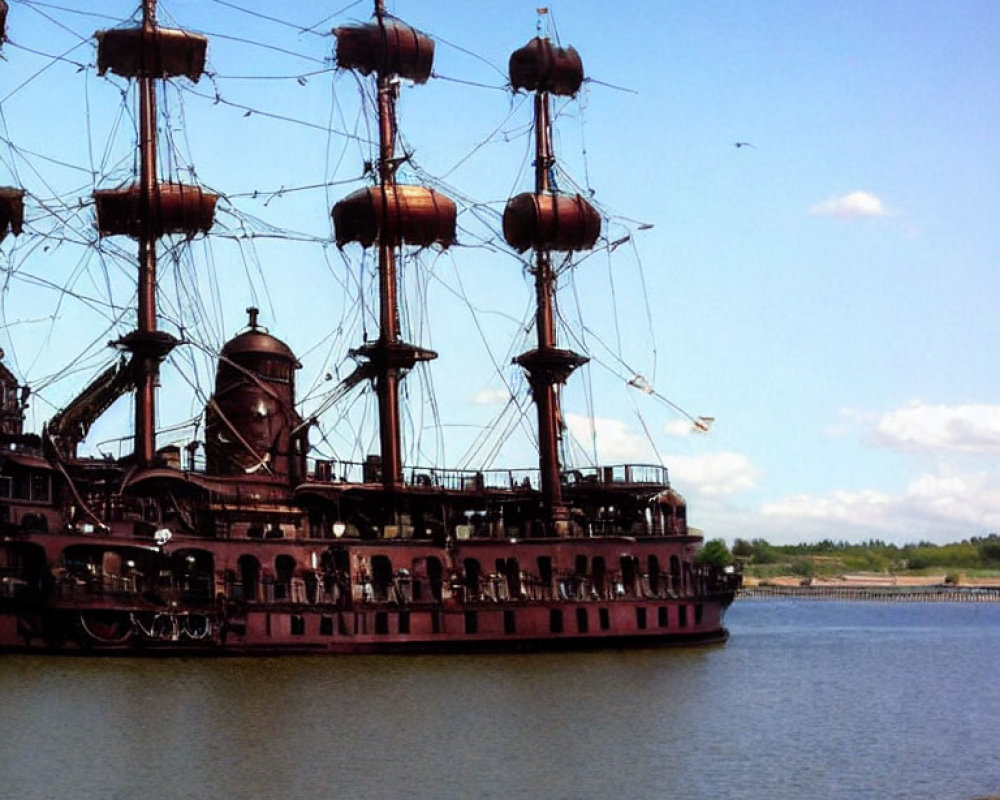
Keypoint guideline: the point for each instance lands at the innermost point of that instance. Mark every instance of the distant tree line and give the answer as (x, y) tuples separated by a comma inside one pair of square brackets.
[(871, 556)]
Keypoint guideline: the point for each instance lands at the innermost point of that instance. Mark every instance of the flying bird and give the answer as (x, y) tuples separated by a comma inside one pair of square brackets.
[(743, 144)]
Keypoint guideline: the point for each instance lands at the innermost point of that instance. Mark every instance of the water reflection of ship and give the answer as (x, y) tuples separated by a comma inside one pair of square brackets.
[(265, 548)]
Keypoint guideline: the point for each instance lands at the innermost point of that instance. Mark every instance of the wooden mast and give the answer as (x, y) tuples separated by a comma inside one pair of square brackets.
[(390, 214), (547, 221), (387, 379), (544, 385), (147, 365), (149, 209)]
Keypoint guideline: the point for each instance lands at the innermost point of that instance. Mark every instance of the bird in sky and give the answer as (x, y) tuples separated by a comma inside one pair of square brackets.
[(743, 144)]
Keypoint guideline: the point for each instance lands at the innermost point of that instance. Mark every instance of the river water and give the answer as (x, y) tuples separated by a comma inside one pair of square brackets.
[(808, 699)]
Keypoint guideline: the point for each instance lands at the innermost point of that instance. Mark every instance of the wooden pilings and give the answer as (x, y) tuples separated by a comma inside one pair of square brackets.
[(880, 594)]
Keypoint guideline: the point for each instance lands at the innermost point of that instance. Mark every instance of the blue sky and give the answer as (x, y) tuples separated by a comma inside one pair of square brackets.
[(825, 294)]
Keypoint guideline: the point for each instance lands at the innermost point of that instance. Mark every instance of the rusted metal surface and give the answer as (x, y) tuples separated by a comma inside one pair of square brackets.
[(540, 66), (151, 53), (11, 211), (391, 48), (395, 215), (175, 208), (556, 222)]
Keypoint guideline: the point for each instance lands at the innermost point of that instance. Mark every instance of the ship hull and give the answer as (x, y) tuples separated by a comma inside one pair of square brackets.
[(275, 632), (74, 594)]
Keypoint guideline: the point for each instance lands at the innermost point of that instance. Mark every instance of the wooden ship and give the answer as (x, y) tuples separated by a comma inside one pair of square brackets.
[(265, 548)]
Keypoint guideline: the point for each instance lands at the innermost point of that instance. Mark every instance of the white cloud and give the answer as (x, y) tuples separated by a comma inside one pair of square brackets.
[(616, 442), (971, 428), (679, 427), (717, 474), (713, 474), (942, 507), (851, 206), (489, 397)]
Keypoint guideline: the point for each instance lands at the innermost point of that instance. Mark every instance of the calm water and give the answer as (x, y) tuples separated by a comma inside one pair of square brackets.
[(807, 700)]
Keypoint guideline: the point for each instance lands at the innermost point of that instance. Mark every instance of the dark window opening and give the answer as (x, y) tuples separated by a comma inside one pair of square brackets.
[(471, 581), (580, 565), (556, 620), (640, 618), (662, 618), (471, 622), (326, 626), (698, 613), (653, 566), (582, 620), (381, 622), (298, 625), (381, 577), (513, 572), (545, 570), (509, 622), (682, 616), (404, 621), (604, 618), (599, 575)]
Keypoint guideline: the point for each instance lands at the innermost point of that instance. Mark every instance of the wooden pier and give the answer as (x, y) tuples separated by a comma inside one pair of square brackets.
[(877, 594)]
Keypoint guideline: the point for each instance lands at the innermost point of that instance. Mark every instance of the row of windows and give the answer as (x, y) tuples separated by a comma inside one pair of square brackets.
[(327, 624), (26, 486)]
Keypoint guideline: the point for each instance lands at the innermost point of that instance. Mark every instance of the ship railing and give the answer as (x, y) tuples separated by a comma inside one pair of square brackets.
[(369, 471), (628, 474)]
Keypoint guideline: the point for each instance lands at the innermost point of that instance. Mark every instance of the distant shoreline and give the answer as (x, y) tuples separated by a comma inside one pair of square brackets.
[(873, 592)]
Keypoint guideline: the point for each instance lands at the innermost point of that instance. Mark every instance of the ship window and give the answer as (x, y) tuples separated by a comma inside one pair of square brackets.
[(404, 621), (604, 618), (381, 577), (654, 573), (513, 572), (598, 574), (471, 622), (255, 532), (5, 486), (581, 620), (326, 626), (249, 569), (435, 572), (682, 616), (274, 370), (35, 522), (640, 618), (509, 622), (472, 573), (556, 620), (40, 488), (663, 618), (545, 570), (580, 566), (298, 625), (698, 613), (381, 622)]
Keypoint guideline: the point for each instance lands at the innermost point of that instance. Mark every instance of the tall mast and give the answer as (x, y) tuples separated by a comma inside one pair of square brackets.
[(547, 221), (150, 208), (390, 214), (147, 365), (387, 379)]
